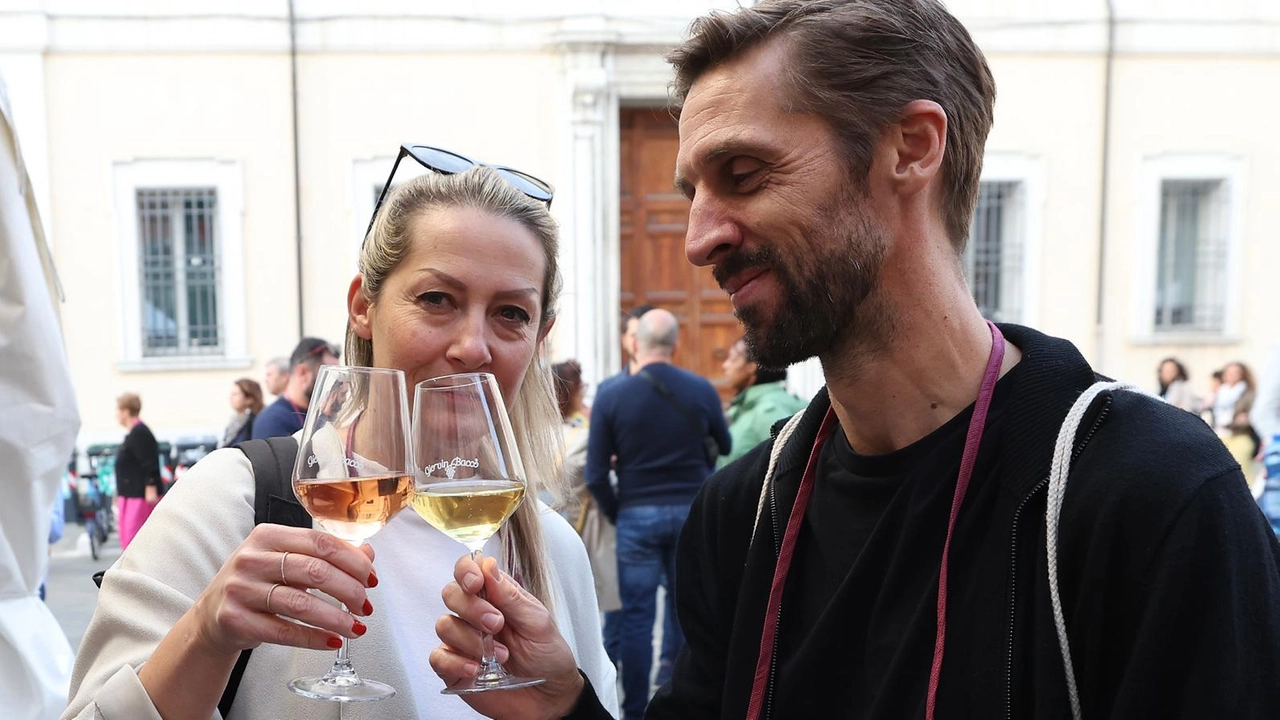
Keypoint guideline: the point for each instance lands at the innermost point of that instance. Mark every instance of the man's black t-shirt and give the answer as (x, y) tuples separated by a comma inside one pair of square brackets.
[(859, 613)]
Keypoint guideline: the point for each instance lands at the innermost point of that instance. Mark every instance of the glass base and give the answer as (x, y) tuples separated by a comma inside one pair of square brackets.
[(342, 689), (492, 682)]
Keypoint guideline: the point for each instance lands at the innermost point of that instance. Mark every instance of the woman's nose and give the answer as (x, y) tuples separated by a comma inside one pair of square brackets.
[(470, 349)]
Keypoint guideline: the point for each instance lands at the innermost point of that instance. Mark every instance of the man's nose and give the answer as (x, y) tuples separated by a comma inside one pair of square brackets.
[(712, 232)]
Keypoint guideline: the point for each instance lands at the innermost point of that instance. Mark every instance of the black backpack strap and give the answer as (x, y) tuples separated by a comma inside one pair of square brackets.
[(273, 502), (273, 498)]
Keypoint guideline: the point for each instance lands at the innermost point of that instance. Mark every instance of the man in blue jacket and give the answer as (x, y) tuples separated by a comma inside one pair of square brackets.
[(285, 416), (654, 422)]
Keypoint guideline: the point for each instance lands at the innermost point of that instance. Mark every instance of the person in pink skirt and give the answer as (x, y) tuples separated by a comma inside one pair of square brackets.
[(137, 469)]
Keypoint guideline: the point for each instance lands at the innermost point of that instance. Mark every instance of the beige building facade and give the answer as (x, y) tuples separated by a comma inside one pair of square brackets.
[(1128, 200)]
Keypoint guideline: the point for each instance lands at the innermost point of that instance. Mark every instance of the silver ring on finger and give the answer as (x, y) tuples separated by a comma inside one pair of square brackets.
[(273, 589), (283, 580)]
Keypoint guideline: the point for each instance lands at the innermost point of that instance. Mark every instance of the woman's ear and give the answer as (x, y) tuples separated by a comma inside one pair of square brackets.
[(546, 329), (358, 308)]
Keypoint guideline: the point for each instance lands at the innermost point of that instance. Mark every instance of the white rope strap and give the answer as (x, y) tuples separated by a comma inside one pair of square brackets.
[(1057, 491), (778, 443)]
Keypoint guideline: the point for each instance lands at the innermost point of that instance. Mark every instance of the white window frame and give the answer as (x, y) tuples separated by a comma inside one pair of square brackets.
[(1156, 169), (227, 179), (1028, 172)]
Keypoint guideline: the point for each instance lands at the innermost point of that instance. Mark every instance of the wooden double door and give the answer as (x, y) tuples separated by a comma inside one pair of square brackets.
[(654, 218)]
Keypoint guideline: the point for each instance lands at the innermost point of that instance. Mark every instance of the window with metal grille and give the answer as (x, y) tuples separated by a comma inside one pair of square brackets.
[(993, 255), (179, 271), (1192, 256)]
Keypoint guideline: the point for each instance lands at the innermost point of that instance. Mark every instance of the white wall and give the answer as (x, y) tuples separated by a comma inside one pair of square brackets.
[(105, 109), (1215, 108)]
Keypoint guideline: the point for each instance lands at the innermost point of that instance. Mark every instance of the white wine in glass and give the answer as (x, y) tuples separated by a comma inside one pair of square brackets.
[(469, 481), (353, 473)]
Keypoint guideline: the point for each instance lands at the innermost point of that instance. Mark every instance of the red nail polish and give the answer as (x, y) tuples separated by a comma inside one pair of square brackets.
[(334, 642), (359, 628), (368, 607), (373, 580)]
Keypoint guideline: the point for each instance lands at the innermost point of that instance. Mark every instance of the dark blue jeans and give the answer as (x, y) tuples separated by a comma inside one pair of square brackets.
[(672, 638), (647, 536)]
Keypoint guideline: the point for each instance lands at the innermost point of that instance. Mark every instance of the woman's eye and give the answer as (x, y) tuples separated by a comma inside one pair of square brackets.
[(515, 314), (433, 299)]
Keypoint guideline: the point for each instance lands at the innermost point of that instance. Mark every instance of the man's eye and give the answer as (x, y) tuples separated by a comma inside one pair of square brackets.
[(742, 172)]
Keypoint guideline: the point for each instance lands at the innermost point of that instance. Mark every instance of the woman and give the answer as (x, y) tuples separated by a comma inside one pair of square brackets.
[(598, 534), (246, 403), (762, 400), (137, 469), (1174, 387), (458, 274), (1235, 396)]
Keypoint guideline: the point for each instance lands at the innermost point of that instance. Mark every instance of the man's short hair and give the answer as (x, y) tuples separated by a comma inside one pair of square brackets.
[(130, 403), (856, 64), (312, 351), (280, 363)]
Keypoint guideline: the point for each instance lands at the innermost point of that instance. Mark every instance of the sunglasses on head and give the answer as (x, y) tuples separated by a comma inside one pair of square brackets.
[(447, 162)]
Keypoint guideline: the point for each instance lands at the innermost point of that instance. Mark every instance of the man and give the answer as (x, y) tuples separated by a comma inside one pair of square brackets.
[(285, 415), (760, 402), (612, 625), (832, 151), (647, 422), (277, 375), (630, 322)]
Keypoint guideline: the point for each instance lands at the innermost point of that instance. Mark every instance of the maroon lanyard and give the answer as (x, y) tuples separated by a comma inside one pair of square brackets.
[(977, 424)]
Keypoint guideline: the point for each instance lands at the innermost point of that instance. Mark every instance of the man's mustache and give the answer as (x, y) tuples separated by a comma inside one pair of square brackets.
[(740, 261)]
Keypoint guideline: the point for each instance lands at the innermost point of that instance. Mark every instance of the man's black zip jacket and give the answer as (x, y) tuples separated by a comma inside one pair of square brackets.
[(1169, 574)]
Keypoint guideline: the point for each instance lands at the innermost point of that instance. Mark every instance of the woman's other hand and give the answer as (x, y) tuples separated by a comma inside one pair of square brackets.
[(525, 638)]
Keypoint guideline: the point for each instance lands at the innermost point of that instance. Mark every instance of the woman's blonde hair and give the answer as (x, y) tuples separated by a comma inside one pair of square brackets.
[(534, 415)]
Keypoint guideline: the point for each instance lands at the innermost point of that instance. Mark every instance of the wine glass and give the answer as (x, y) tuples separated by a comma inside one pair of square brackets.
[(469, 480), (352, 474)]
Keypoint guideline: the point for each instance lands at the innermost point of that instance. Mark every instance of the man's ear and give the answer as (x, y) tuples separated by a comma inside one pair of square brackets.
[(919, 141), (358, 309)]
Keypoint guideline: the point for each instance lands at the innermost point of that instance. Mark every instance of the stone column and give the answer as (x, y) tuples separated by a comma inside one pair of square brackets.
[(586, 329)]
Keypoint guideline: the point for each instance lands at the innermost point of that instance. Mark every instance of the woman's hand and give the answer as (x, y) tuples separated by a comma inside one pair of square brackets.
[(232, 613), (525, 638)]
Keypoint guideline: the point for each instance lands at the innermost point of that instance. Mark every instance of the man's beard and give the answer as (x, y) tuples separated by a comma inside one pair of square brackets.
[(826, 287)]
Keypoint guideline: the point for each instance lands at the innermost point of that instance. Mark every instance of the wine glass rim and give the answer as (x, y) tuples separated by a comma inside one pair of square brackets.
[(361, 368), (456, 380)]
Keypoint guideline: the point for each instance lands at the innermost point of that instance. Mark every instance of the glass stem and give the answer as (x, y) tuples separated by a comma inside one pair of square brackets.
[(342, 665), (490, 669)]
